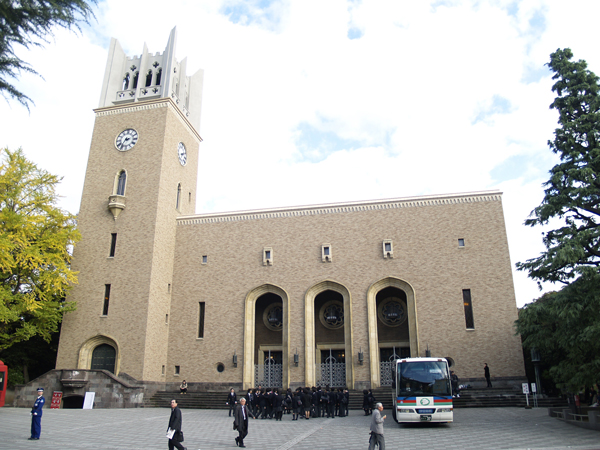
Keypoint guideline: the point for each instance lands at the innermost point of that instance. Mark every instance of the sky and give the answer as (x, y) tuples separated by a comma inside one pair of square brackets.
[(308, 102)]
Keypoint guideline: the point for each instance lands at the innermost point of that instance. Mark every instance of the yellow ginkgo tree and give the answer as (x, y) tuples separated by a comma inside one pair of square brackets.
[(36, 241)]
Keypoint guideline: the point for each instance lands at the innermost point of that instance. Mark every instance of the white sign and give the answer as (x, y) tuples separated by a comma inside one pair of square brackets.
[(88, 401), (533, 388), (525, 388)]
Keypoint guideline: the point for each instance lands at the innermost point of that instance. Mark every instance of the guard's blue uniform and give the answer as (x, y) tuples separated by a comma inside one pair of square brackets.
[(36, 417)]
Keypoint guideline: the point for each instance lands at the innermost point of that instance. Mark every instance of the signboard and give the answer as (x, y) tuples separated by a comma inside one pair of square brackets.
[(88, 401), (56, 399), (525, 388), (533, 388)]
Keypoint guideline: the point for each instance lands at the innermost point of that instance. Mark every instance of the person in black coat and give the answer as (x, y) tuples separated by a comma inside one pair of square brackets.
[(278, 401), (231, 400), (366, 402), (297, 404), (262, 404), (307, 402), (240, 422), (175, 424)]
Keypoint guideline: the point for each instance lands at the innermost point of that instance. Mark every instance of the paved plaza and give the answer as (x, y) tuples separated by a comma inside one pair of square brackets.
[(107, 429)]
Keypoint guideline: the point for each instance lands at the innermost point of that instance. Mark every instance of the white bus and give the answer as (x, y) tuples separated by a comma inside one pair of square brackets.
[(422, 390)]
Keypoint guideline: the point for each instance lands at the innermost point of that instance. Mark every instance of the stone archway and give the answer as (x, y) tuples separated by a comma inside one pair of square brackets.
[(249, 333), (372, 322), (87, 350), (310, 341)]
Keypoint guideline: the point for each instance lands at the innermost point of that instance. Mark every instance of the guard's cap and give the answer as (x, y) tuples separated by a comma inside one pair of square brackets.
[(40, 389)]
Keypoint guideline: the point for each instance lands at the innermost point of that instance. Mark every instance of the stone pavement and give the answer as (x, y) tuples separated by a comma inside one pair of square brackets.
[(108, 429)]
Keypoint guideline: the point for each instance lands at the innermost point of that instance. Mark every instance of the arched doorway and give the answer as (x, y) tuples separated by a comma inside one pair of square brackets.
[(256, 344), (100, 353), (103, 358), (392, 320), (268, 350), (328, 343)]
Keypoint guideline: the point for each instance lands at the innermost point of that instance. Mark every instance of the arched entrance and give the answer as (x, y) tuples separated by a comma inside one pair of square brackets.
[(266, 325), (100, 353), (328, 343), (103, 358), (392, 319), (268, 349)]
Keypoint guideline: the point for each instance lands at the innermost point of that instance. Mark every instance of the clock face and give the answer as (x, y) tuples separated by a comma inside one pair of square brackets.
[(126, 140), (182, 154)]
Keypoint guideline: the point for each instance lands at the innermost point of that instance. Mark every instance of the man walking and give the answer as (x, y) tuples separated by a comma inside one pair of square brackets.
[(240, 422), (377, 428), (175, 425), (36, 415), (231, 400)]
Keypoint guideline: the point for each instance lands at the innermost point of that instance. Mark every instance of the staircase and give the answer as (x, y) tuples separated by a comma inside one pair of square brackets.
[(469, 398)]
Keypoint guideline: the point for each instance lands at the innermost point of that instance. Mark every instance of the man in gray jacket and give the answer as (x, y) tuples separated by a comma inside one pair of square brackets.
[(377, 428)]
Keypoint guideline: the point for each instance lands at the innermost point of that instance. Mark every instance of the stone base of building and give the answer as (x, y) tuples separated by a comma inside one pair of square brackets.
[(110, 391)]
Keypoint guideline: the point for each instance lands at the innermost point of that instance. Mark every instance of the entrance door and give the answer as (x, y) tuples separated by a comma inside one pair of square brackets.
[(387, 356), (103, 358), (332, 370), (270, 373)]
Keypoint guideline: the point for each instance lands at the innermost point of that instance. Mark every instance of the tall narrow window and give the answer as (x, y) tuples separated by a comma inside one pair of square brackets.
[(158, 76), (468, 309), (113, 244), (201, 311), (121, 183), (177, 370), (126, 82), (178, 196), (106, 299), (149, 78), (136, 76)]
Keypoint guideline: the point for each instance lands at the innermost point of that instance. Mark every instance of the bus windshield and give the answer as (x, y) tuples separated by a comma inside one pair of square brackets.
[(423, 377)]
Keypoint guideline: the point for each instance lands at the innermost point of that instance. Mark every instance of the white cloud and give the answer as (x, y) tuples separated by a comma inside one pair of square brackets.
[(397, 105)]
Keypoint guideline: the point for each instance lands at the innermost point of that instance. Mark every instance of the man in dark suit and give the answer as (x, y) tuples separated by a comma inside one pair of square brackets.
[(231, 400), (241, 422), (175, 424)]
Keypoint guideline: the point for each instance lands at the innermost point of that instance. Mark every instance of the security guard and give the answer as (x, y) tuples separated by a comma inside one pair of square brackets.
[(36, 415)]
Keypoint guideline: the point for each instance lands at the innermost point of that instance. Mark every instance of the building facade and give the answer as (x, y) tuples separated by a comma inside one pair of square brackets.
[(299, 296)]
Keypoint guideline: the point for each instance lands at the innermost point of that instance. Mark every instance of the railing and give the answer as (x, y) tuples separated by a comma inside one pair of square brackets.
[(270, 375)]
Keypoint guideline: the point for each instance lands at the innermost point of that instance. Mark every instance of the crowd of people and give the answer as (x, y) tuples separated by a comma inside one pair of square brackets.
[(303, 403)]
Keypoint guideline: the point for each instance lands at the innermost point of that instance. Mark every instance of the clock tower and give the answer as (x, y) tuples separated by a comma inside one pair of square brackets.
[(141, 175)]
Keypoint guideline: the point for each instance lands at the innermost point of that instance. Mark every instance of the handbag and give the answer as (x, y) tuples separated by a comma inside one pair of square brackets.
[(180, 436)]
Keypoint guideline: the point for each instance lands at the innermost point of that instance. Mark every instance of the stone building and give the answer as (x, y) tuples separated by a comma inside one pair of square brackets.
[(297, 296)]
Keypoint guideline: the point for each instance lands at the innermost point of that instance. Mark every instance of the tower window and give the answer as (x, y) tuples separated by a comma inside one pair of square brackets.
[(178, 196), (326, 253), (201, 311), (121, 183), (468, 309), (113, 244), (126, 82), (177, 370), (149, 78), (106, 299), (461, 242), (166, 319), (136, 76), (388, 249), (267, 256), (158, 76), (204, 259)]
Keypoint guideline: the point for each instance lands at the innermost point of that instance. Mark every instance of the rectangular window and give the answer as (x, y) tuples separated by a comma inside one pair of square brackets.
[(326, 253), (201, 312), (468, 309), (177, 370), (204, 259), (267, 256), (106, 299), (167, 319), (169, 288), (461, 242), (388, 249), (163, 369), (113, 244)]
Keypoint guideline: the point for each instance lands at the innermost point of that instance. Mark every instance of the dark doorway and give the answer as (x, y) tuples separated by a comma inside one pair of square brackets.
[(338, 355), (103, 358), (73, 402)]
